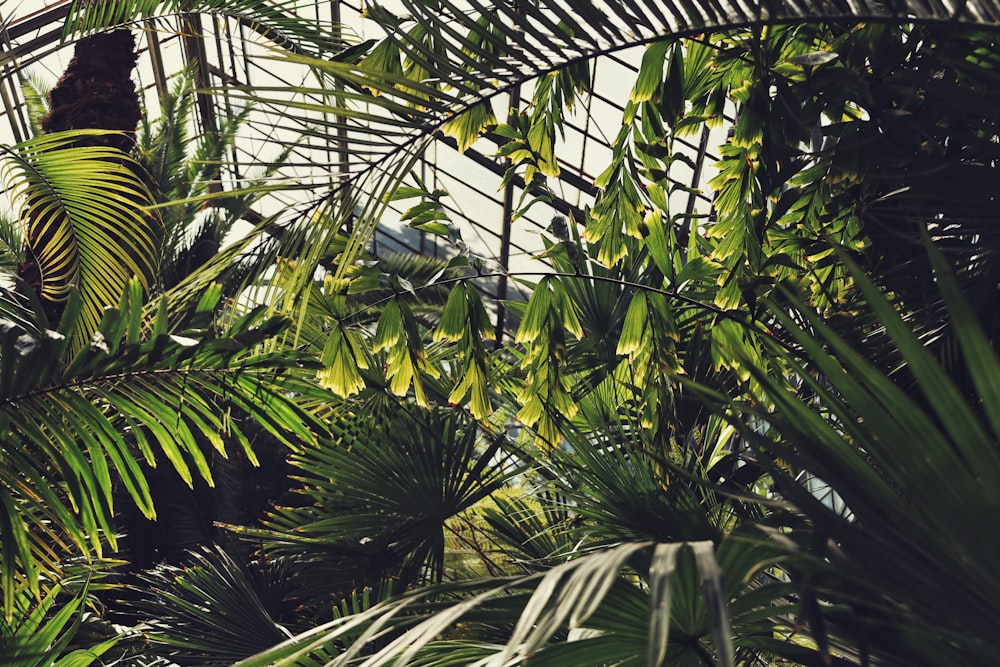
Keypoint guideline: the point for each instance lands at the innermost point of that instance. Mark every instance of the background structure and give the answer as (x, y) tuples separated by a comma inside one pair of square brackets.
[(229, 54)]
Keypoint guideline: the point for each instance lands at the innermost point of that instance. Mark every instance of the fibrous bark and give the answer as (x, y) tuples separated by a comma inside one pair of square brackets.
[(97, 92)]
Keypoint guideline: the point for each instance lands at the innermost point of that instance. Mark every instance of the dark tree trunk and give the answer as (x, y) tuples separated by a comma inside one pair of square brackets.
[(97, 92)]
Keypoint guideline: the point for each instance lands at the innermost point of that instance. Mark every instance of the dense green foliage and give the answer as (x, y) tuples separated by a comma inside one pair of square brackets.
[(762, 430)]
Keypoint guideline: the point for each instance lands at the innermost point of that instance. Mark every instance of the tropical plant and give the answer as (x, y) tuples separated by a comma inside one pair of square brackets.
[(34, 637), (109, 387), (680, 384)]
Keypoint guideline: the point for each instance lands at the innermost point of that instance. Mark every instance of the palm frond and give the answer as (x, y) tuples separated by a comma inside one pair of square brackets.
[(35, 98), (84, 218), (581, 611), (11, 245), (212, 611), (38, 632), (278, 21), (71, 429), (186, 181), (914, 470), (532, 531), (379, 497)]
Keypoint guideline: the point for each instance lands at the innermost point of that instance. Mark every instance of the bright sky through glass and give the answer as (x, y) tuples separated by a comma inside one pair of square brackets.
[(237, 57)]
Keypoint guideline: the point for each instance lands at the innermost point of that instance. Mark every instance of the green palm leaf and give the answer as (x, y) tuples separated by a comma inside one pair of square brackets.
[(83, 209), (11, 245), (580, 612), (915, 469), (39, 632), (380, 497), (278, 21), (213, 611), (69, 431)]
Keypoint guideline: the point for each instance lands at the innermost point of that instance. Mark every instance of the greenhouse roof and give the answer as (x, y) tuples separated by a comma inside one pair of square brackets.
[(243, 66)]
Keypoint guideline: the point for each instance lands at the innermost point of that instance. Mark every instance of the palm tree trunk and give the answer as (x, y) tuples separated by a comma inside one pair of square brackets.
[(97, 92)]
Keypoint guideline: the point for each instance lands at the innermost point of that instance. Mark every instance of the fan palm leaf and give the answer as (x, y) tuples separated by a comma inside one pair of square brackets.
[(380, 496), (580, 612), (213, 611)]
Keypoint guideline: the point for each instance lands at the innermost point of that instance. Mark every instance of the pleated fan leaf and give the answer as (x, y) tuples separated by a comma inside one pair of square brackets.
[(537, 610)]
